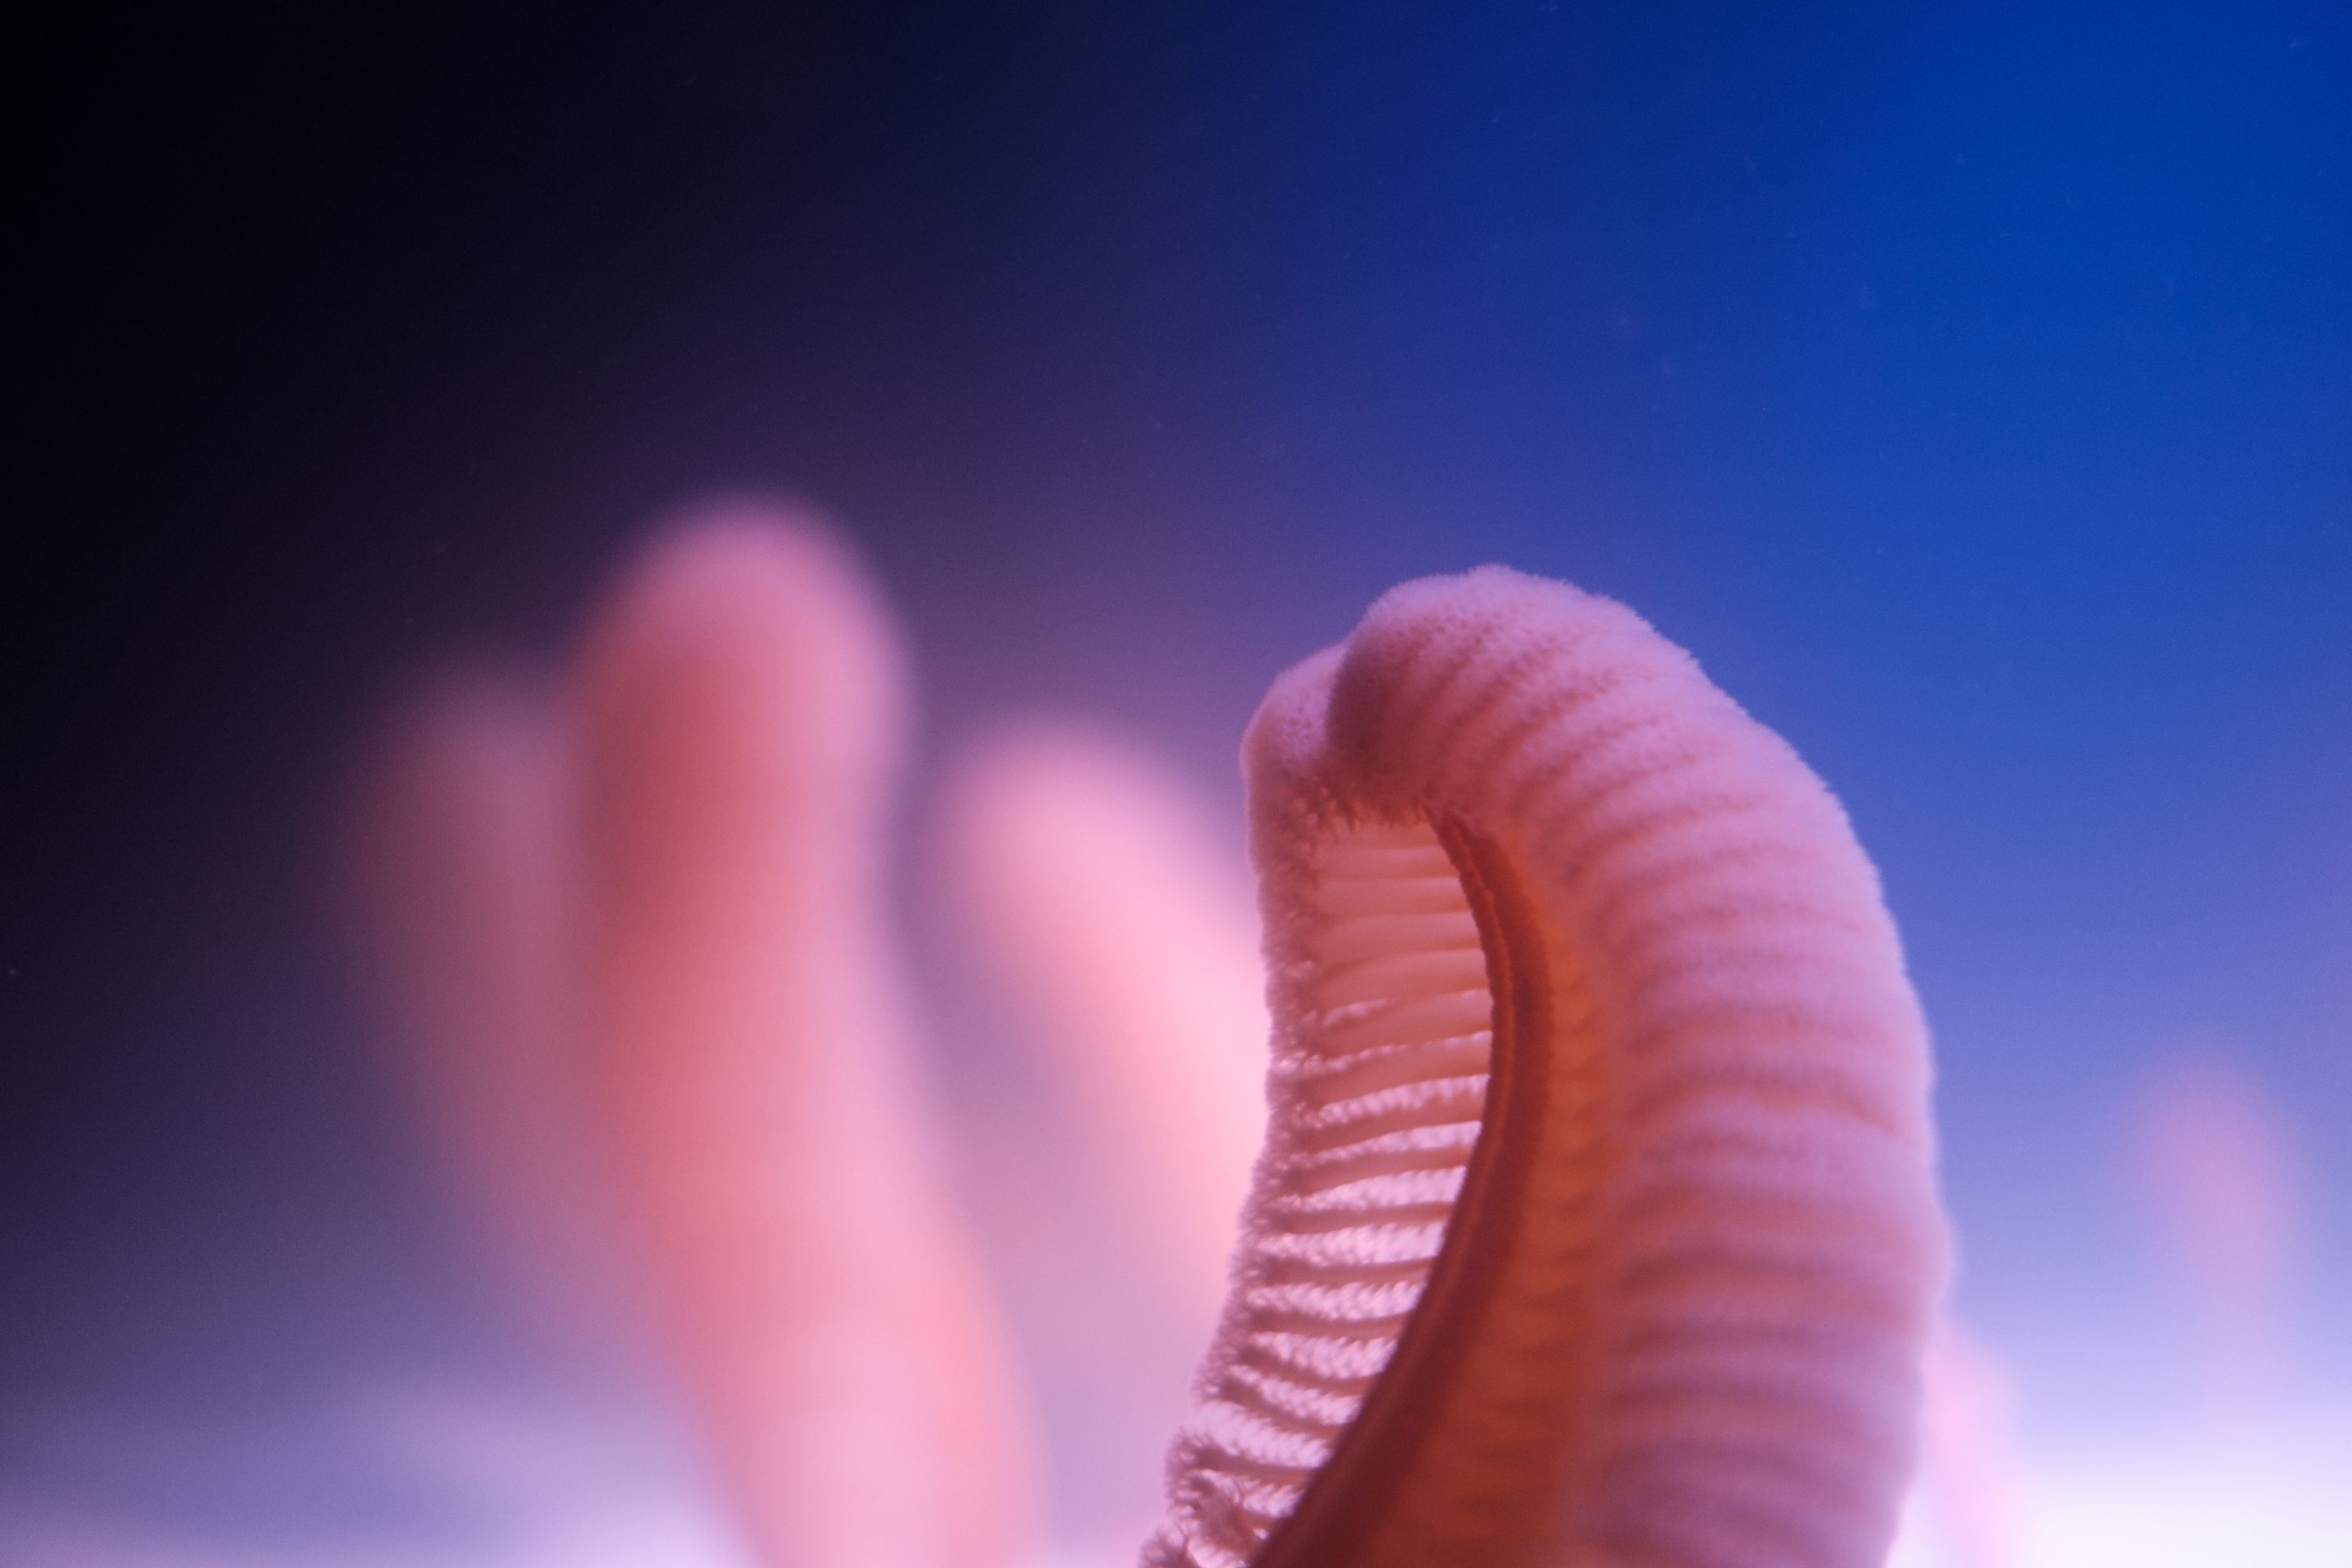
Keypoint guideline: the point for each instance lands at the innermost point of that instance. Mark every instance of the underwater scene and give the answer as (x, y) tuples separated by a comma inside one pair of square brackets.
[(1540, 785)]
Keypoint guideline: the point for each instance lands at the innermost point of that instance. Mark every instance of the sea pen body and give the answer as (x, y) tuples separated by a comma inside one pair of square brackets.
[(459, 866), (1596, 1222), (1090, 889), (742, 720)]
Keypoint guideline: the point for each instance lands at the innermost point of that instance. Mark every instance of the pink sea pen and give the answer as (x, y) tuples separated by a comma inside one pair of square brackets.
[(742, 719), (461, 871), (2219, 1169), (1972, 1480), (1596, 1220), (1088, 882)]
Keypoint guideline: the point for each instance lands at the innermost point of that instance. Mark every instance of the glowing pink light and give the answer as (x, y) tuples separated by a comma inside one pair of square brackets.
[(2217, 1164)]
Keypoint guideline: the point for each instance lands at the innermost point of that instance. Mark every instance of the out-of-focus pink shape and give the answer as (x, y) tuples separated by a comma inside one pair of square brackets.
[(2217, 1163), (1971, 1467), (461, 868), (742, 721), (1088, 888), (1093, 890)]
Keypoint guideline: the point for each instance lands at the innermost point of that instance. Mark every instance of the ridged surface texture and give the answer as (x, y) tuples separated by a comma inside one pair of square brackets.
[(1596, 1223)]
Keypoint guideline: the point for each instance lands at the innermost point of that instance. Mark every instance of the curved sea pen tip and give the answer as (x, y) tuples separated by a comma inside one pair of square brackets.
[(1597, 1212)]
